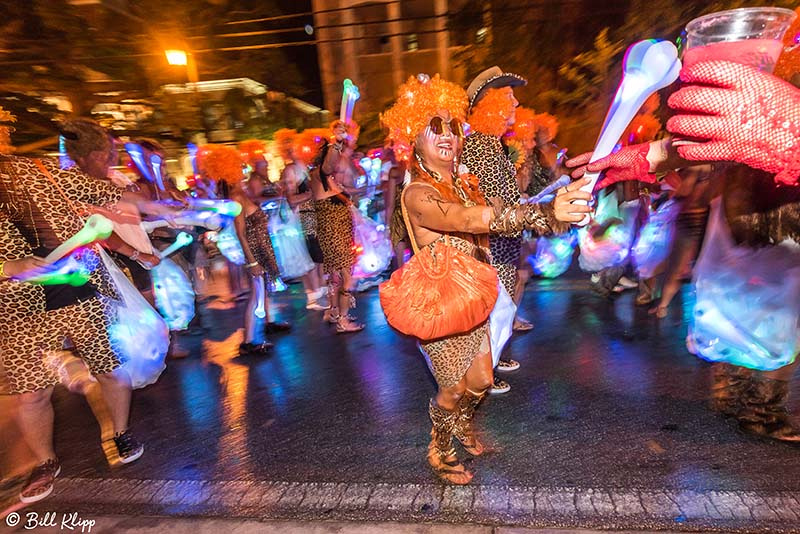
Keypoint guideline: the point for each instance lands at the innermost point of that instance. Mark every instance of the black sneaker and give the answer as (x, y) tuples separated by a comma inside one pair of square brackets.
[(40, 483), (128, 447), (255, 349)]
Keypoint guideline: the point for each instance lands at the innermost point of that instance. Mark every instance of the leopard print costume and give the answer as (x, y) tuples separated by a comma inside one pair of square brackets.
[(335, 234), (258, 240), (450, 357), (31, 201), (486, 158)]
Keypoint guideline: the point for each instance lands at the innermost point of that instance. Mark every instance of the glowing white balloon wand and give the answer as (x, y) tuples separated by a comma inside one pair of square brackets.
[(96, 228), (648, 67), (181, 241)]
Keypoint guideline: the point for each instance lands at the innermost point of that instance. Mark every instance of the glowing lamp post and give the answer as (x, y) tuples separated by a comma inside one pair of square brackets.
[(177, 58)]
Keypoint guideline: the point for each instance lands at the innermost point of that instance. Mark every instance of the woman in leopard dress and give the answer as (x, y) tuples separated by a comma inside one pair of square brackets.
[(442, 205)]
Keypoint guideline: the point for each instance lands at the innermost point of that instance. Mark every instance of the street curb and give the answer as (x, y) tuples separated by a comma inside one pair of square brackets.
[(520, 506)]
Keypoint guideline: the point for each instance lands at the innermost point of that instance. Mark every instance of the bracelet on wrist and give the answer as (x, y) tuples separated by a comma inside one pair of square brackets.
[(135, 255), (3, 274), (252, 264)]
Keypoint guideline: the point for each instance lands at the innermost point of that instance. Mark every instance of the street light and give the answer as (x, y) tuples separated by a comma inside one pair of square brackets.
[(177, 57)]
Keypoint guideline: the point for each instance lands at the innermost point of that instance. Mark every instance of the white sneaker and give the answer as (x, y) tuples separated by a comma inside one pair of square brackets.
[(315, 305)]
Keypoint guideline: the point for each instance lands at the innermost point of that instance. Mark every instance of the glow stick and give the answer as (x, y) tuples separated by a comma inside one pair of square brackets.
[(95, 229), (155, 164), (228, 208), (181, 241), (66, 271), (350, 94), (648, 66), (261, 294), (137, 156), (206, 219)]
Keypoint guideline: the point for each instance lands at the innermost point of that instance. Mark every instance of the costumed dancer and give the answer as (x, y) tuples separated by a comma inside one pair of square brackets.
[(92, 149), (492, 110), (335, 230), (296, 184), (223, 164), (761, 208), (546, 156), (448, 221), (38, 212)]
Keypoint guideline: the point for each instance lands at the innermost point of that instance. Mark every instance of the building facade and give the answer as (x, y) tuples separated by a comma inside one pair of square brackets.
[(379, 43)]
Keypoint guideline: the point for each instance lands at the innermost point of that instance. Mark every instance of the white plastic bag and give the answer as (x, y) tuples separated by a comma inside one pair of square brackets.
[(747, 310), (501, 323), (139, 333), (174, 294), (288, 240), (373, 245), (611, 247), (654, 243)]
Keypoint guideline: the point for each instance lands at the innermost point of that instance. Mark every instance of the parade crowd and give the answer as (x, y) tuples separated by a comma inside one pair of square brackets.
[(101, 264)]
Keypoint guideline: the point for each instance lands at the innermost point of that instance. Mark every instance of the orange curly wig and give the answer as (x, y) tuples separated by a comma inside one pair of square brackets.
[(419, 99), (523, 131), (545, 120), (789, 61), (490, 115), (220, 162), (252, 151), (308, 142), (284, 142)]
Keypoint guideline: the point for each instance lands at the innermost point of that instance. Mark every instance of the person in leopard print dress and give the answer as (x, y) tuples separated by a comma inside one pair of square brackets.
[(443, 206), (492, 110), (41, 205)]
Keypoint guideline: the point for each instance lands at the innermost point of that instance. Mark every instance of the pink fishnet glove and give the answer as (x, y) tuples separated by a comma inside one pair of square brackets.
[(628, 164), (748, 116)]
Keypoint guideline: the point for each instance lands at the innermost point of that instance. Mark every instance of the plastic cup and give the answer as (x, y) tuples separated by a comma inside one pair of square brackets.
[(751, 36)]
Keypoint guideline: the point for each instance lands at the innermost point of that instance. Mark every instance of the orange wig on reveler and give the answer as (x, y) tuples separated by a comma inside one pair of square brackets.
[(308, 143), (490, 115), (418, 100), (220, 162), (284, 143), (545, 121), (523, 131), (788, 64), (252, 151)]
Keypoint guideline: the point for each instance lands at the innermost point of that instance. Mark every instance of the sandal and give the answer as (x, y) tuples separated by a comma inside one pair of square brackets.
[(441, 454), (522, 325), (345, 325)]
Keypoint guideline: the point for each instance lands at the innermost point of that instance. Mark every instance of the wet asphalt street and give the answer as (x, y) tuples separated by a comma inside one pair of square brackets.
[(606, 426)]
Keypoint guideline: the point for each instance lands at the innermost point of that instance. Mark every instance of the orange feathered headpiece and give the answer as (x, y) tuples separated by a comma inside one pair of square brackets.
[(308, 142), (284, 142), (252, 151), (789, 61), (490, 115), (418, 100), (523, 131), (220, 162), (547, 121)]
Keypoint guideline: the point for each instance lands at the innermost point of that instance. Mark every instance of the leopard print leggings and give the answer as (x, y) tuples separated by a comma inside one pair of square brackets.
[(25, 342), (335, 235)]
